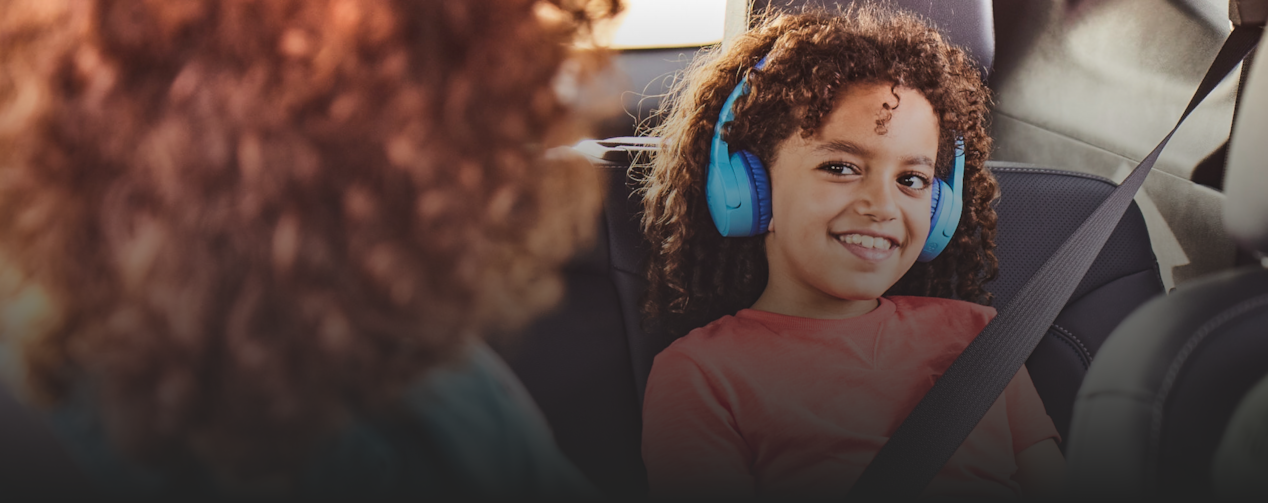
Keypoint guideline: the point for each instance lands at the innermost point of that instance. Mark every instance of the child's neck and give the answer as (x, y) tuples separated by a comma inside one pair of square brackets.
[(807, 304)]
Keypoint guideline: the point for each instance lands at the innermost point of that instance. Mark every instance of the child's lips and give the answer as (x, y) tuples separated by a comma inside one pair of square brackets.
[(869, 254)]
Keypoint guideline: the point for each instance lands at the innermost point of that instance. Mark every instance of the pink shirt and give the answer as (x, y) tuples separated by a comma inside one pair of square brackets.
[(763, 404)]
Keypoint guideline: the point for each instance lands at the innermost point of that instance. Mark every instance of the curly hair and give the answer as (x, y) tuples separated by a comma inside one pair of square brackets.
[(253, 221), (694, 274)]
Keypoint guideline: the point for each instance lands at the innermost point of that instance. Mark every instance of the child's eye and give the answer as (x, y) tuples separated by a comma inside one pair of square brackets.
[(915, 181), (839, 169)]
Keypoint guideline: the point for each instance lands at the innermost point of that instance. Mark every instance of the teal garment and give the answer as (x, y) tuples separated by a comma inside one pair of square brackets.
[(466, 431), (1240, 468)]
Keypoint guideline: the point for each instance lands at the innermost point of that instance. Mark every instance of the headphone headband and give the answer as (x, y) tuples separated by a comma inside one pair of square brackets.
[(737, 190)]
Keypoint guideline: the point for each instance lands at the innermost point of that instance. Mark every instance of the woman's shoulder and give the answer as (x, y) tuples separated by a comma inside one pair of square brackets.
[(485, 423), (478, 380), (467, 429)]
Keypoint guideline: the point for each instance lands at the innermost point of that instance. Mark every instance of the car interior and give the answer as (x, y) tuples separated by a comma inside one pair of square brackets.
[(1156, 404), (1083, 90), (1160, 340)]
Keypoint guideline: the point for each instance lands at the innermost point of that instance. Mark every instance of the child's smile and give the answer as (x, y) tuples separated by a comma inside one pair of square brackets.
[(851, 204), (873, 247)]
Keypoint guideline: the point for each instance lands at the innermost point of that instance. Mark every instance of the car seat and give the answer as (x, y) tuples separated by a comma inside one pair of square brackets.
[(587, 363), (1156, 401)]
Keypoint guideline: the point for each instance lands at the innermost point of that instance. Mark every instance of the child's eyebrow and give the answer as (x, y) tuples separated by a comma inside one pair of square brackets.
[(918, 160), (848, 147), (843, 147)]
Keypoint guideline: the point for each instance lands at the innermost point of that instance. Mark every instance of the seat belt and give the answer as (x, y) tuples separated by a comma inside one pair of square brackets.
[(946, 415)]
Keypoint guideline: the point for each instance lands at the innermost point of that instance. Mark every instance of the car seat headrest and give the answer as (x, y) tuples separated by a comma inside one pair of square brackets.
[(1246, 178), (969, 24)]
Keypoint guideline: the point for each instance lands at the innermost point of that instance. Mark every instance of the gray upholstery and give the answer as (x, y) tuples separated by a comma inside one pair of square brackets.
[(1037, 210), (1157, 399), (1246, 179)]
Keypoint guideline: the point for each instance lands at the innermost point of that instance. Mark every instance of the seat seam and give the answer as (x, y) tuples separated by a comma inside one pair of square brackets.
[(1012, 167), (1177, 363), (1084, 355), (1068, 136)]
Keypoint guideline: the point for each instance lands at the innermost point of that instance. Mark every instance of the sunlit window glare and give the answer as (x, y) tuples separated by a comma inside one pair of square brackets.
[(649, 24)]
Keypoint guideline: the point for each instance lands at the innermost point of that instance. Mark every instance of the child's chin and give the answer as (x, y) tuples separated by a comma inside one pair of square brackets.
[(862, 286), (858, 292)]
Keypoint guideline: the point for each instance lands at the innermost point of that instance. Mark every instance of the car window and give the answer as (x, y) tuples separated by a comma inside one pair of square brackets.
[(661, 24)]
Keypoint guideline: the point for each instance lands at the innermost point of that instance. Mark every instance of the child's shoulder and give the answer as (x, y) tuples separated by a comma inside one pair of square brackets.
[(941, 328), (727, 332), (939, 310)]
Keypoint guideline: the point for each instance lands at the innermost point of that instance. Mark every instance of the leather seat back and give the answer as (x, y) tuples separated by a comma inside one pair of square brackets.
[(1037, 210), (1155, 403)]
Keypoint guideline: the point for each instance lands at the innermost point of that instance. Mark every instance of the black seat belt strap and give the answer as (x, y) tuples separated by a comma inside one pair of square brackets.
[(946, 415)]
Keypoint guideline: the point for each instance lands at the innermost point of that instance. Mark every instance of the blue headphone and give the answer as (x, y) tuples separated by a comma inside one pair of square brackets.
[(738, 189)]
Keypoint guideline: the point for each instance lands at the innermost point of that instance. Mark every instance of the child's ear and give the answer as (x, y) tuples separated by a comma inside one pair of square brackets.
[(770, 227)]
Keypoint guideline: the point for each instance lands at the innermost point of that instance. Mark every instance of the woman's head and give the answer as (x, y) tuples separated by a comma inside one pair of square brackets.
[(253, 220), (799, 105)]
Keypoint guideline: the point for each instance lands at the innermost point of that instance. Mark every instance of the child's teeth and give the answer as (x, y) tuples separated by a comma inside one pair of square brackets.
[(866, 241)]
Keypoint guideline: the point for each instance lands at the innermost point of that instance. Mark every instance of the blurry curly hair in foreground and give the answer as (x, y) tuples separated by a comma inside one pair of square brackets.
[(254, 220)]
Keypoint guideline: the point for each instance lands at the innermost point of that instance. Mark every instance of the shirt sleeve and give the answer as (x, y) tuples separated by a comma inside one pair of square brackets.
[(1027, 418), (691, 444)]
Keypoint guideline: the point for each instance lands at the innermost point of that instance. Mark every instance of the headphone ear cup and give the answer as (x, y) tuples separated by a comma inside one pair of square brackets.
[(936, 192), (939, 207), (761, 189)]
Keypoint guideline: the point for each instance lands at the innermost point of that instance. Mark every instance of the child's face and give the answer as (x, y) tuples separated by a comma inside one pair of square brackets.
[(849, 183)]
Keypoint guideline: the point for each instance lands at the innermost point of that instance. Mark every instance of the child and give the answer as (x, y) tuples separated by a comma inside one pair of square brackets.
[(854, 117)]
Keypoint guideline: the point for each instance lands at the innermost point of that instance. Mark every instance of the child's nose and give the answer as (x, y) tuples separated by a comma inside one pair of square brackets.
[(877, 199)]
